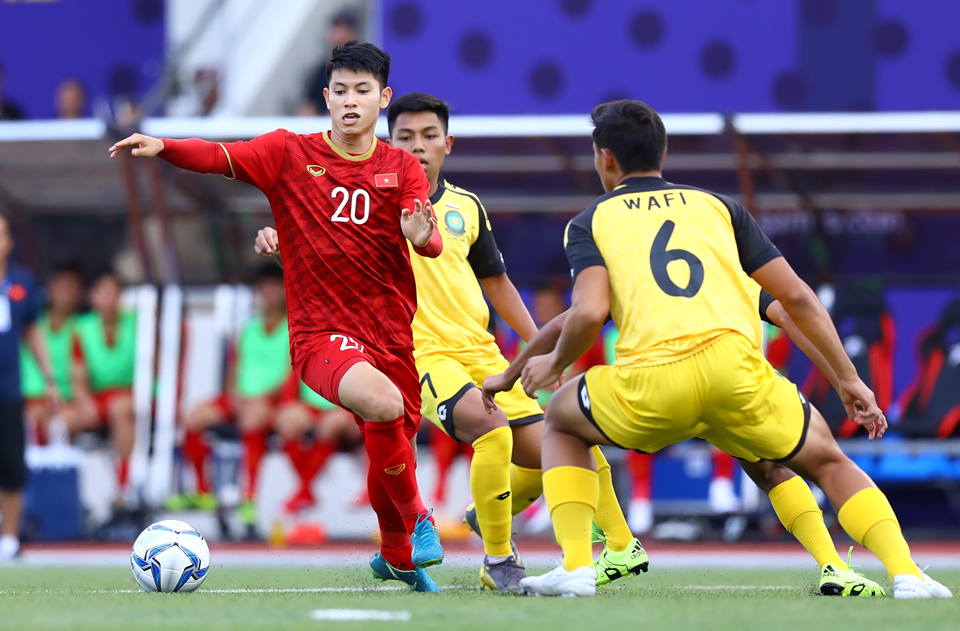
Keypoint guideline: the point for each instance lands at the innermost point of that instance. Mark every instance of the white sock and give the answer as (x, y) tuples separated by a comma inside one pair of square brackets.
[(9, 546), (492, 560)]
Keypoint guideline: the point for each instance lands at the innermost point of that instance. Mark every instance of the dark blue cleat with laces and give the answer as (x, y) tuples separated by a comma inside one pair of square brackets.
[(425, 540), (418, 579)]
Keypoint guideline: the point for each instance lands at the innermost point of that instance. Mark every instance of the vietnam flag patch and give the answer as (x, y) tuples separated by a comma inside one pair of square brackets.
[(386, 180)]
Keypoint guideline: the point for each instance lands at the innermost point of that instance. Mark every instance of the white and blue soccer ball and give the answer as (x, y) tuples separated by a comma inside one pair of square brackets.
[(170, 556)]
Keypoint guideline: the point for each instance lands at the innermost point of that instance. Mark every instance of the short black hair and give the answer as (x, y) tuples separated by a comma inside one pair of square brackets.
[(633, 132), (346, 18), (267, 272), (69, 266), (360, 58), (418, 102)]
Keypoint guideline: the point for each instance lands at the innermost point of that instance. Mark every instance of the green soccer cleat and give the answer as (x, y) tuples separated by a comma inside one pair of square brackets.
[(206, 501), (837, 582), (248, 512), (611, 566)]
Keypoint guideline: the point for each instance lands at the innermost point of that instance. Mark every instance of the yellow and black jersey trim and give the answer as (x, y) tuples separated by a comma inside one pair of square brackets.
[(484, 256)]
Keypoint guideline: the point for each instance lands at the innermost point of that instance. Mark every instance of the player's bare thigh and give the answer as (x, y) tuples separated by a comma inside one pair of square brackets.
[(528, 444), (337, 424), (204, 416), (765, 474), (822, 462), (370, 394), (568, 431), (293, 420), (471, 420), (254, 414)]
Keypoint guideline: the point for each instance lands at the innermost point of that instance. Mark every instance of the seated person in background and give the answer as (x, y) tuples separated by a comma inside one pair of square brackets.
[(57, 328), (343, 29), (312, 430), (104, 352), (71, 99), (259, 368)]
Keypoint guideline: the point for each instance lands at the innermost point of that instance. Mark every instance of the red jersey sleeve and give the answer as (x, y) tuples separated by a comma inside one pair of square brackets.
[(256, 162), (413, 186)]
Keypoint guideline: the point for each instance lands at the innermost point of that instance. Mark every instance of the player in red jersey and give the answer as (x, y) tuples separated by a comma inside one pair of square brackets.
[(344, 206)]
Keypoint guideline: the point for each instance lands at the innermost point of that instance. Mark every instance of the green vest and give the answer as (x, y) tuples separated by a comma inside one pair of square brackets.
[(314, 400), (60, 348), (263, 358), (108, 366)]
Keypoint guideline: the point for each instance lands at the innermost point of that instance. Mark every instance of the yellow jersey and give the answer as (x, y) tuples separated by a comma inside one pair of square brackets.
[(679, 259), (452, 315)]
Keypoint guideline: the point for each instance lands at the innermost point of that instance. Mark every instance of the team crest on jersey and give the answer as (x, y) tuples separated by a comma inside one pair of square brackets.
[(315, 170), (454, 223)]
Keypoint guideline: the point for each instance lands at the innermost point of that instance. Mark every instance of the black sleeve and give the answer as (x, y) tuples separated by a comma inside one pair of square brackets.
[(765, 301), (484, 256), (582, 250), (755, 248)]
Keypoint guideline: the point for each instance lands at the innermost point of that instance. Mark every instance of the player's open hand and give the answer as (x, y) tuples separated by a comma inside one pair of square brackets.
[(862, 408), (491, 386), (539, 374), (418, 225), (139, 145)]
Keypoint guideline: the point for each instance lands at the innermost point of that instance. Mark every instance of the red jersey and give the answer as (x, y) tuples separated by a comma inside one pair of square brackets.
[(346, 262)]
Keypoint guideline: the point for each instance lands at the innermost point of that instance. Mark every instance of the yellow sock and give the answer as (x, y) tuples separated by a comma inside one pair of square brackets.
[(572, 494), (870, 520), (490, 485), (800, 515), (609, 516), (526, 485)]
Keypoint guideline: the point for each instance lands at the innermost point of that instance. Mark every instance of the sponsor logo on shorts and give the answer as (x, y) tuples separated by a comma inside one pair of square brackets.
[(584, 396), (395, 470)]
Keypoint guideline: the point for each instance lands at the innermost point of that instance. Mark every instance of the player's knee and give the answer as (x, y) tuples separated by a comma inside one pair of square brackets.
[(473, 423), (380, 407)]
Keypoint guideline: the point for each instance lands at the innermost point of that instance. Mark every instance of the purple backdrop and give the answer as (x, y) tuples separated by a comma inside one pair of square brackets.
[(565, 56), (114, 47)]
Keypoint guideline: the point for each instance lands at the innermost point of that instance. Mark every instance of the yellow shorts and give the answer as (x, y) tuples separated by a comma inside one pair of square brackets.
[(726, 393), (444, 380)]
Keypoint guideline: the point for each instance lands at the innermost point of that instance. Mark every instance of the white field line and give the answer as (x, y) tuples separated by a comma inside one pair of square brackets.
[(360, 614), (306, 558), (299, 590)]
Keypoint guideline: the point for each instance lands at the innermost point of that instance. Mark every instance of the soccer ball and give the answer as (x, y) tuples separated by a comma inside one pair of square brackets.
[(170, 556)]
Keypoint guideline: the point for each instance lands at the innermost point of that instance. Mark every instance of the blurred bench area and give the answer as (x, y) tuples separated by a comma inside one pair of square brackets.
[(865, 206)]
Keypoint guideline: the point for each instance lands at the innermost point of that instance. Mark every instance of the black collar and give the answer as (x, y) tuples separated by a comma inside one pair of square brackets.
[(441, 187), (644, 183)]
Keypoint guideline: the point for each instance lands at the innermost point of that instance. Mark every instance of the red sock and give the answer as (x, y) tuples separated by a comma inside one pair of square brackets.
[(722, 465), (641, 466), (394, 538), (123, 468), (391, 457), (196, 451), (298, 457), (444, 452), (255, 447), (317, 457)]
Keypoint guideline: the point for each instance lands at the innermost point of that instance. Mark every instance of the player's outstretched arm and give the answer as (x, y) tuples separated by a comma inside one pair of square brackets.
[(140, 146), (585, 318), (779, 316), (267, 245), (505, 298), (810, 317), (419, 227), (540, 344)]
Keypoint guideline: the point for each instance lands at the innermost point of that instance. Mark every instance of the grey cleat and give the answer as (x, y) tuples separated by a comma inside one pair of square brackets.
[(504, 576), (470, 519)]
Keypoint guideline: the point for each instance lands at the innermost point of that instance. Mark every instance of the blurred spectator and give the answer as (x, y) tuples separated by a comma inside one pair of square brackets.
[(258, 371), (104, 352), (8, 111), (19, 300), (57, 326), (71, 99), (343, 29)]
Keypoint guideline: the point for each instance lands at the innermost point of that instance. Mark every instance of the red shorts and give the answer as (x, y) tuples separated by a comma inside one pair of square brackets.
[(322, 361), (104, 399)]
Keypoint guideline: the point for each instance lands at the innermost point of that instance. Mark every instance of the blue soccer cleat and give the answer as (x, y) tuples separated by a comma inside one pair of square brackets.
[(425, 540), (418, 579)]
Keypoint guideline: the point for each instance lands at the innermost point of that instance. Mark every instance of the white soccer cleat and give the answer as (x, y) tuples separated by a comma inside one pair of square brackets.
[(721, 497), (580, 582), (909, 586), (640, 517)]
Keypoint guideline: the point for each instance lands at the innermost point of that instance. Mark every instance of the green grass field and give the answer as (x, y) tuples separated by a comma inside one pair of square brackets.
[(105, 599)]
